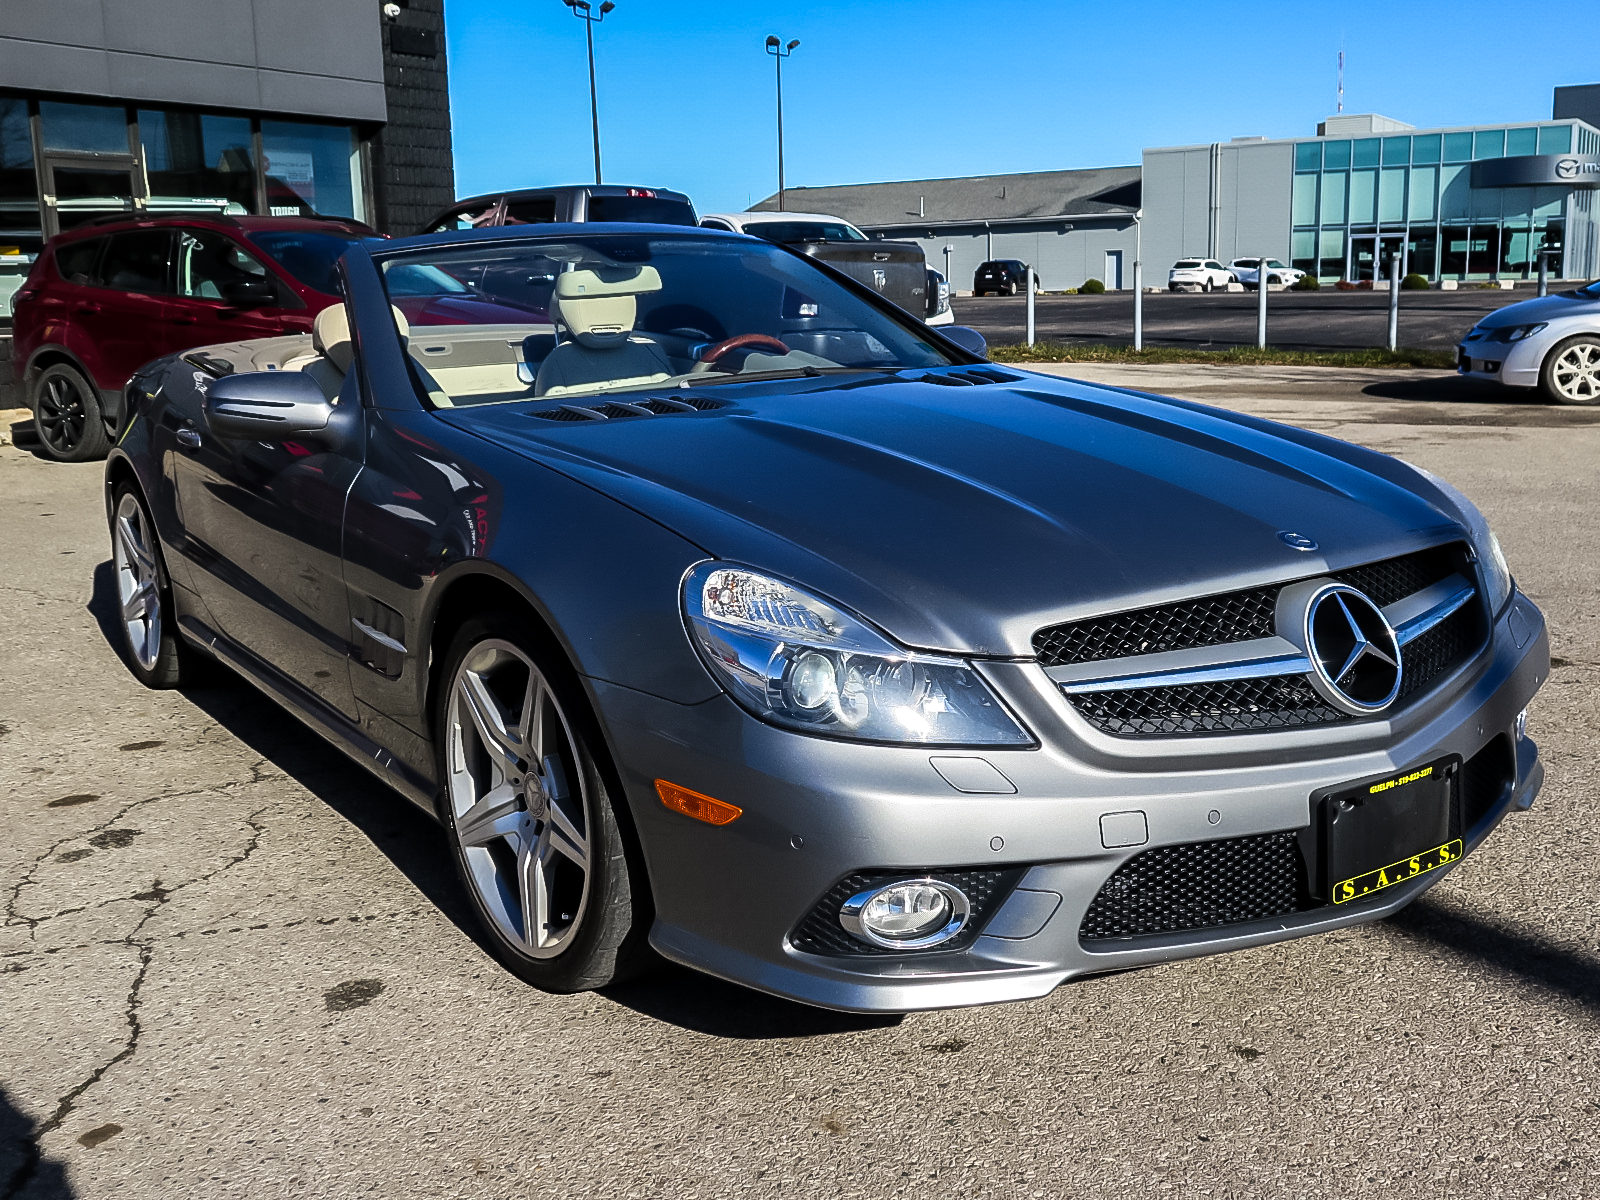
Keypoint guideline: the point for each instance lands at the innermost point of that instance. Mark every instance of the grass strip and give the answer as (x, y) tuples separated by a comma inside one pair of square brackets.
[(1240, 356)]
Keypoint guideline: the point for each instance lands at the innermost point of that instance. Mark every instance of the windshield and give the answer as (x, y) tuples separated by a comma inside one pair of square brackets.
[(544, 318), (789, 232), (309, 257)]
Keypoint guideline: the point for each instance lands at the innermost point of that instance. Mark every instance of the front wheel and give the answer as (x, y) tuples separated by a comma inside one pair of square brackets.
[(67, 415), (537, 841), (1571, 371), (156, 654)]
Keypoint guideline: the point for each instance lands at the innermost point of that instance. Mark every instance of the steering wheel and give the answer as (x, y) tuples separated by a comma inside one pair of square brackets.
[(743, 341)]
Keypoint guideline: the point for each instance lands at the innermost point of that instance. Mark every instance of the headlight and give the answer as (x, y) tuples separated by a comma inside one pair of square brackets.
[(1496, 573), (1515, 333), (797, 661)]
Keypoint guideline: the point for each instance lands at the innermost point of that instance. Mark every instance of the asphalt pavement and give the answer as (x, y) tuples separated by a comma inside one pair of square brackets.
[(1325, 320), (232, 964)]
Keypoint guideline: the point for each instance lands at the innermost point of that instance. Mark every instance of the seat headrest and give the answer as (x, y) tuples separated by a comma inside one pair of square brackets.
[(402, 325), (607, 281), (598, 307), (330, 336)]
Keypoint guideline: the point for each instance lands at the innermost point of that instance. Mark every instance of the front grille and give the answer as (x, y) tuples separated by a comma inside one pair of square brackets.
[(1199, 886), (1282, 702), (821, 933), (1485, 779)]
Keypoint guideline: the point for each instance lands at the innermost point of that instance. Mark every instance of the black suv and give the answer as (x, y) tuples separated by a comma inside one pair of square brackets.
[(582, 202), (1003, 277)]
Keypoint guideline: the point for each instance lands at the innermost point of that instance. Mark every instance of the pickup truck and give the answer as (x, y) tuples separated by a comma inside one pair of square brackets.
[(896, 269)]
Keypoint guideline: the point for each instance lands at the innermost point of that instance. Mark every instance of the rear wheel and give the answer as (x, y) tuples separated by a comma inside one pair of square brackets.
[(537, 840), (1011, 289), (1571, 371), (1206, 286), (156, 654), (67, 416)]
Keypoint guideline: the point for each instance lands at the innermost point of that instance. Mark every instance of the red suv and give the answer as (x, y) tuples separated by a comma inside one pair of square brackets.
[(110, 295)]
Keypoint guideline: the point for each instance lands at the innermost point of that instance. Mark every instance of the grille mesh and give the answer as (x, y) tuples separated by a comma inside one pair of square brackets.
[(1485, 778), (821, 933), (1199, 886)]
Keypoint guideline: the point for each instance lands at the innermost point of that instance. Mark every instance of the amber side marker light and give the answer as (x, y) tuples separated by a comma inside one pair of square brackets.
[(693, 804)]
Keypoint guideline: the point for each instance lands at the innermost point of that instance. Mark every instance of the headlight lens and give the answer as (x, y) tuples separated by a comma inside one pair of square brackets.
[(797, 661), (1515, 333), (1496, 572)]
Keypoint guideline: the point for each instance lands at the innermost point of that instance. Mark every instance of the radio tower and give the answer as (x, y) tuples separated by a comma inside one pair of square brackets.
[(1340, 107)]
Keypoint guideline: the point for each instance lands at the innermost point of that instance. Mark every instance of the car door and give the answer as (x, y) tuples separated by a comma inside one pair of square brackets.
[(262, 524), (124, 318), (223, 293)]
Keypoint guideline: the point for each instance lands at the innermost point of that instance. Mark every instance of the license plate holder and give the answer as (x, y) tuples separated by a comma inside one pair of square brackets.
[(1384, 831)]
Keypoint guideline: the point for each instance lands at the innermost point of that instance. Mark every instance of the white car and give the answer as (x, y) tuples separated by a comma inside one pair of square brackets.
[(1551, 343), (1202, 273), (1248, 270)]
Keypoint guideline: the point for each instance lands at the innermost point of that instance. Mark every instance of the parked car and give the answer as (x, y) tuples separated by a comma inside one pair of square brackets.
[(1551, 343), (761, 626), (112, 294), (1205, 274), (939, 310), (1003, 277), (578, 202), (896, 270), (1248, 270)]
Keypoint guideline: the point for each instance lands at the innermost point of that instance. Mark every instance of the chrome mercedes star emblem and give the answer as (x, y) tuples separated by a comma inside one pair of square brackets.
[(1355, 657), (1296, 541)]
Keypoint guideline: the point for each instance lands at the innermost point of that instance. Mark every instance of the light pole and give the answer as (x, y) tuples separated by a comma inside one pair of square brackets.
[(1138, 279), (590, 18), (779, 52)]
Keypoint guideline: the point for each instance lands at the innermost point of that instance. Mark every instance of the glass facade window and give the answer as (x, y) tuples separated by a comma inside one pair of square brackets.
[(196, 162), (1422, 248), (1333, 187), (311, 170), (1483, 251), (19, 189), (1421, 206), (1335, 156), (1308, 156), (1392, 195), (1303, 251), (1366, 152), (1425, 149), (1396, 151), (86, 128), (1330, 252), (1453, 251), (1455, 191), (1363, 196), (1457, 147), (1521, 141), (1304, 203), (1555, 139), (1489, 143)]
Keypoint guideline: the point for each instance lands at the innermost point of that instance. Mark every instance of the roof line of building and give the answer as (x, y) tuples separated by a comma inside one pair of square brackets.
[(822, 187), (981, 222)]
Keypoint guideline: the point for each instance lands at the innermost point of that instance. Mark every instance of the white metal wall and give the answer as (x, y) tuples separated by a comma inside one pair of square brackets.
[(1222, 201), (1063, 260)]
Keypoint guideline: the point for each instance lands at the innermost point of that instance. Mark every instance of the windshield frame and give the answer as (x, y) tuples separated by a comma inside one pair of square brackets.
[(251, 239)]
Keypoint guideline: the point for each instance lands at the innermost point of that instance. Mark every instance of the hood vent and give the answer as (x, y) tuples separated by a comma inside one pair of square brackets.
[(971, 377), (612, 410)]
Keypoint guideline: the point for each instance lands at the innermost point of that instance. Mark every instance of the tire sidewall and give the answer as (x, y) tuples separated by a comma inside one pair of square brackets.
[(1547, 382), (95, 442), (609, 945)]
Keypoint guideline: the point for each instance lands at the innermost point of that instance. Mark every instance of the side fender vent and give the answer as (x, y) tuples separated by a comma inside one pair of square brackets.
[(971, 377), (615, 410)]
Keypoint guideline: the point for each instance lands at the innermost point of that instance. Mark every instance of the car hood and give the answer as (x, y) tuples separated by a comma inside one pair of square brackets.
[(966, 518), (1543, 308)]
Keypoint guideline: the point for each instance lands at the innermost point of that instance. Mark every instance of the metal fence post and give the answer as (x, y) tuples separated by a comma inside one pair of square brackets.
[(1030, 306), (1261, 303), (1138, 305), (1394, 301)]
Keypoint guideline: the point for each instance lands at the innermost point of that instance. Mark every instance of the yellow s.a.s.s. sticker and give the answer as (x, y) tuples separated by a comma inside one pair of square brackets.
[(1407, 868)]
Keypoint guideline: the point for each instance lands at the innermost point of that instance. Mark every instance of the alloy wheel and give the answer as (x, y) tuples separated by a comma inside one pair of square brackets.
[(518, 799), (62, 414), (1576, 373), (138, 580)]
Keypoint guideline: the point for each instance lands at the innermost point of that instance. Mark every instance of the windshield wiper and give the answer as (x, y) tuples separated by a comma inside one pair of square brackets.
[(807, 372)]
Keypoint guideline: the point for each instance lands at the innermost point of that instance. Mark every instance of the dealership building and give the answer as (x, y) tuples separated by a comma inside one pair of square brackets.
[(1454, 204), (281, 107)]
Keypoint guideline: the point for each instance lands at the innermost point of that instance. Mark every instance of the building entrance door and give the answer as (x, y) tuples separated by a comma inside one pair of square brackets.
[(1113, 270), (1371, 253), (77, 189)]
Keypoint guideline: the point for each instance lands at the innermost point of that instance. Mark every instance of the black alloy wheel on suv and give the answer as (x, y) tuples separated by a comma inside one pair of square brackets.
[(67, 415)]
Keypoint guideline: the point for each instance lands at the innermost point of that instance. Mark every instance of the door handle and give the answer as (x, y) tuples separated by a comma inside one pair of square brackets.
[(87, 309), (189, 438), (186, 320)]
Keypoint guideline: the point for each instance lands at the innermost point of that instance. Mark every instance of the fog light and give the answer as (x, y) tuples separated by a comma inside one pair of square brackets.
[(911, 914), (1522, 724)]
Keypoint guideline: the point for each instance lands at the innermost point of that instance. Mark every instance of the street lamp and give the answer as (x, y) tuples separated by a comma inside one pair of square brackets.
[(590, 18), (779, 52)]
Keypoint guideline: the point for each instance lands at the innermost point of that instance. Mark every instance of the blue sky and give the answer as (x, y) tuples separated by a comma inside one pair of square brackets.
[(899, 90)]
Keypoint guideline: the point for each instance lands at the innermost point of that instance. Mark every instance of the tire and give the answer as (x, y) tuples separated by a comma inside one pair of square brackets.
[(1206, 286), (527, 833), (1011, 289), (155, 653), (67, 415), (1571, 371)]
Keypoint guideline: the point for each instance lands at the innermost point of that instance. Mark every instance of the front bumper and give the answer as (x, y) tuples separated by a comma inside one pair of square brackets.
[(727, 898), (1515, 364)]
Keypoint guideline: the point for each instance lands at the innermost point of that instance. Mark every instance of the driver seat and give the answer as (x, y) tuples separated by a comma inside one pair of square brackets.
[(598, 308)]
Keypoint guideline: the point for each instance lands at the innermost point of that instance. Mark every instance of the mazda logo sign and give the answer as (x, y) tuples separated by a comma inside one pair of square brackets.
[(1567, 168), (1355, 657)]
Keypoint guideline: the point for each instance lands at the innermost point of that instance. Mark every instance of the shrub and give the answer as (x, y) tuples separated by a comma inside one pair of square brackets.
[(1091, 287), (1414, 283), (1345, 285), (1306, 283)]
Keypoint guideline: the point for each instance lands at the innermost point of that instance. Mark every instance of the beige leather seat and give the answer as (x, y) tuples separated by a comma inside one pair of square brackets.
[(598, 308), (330, 338)]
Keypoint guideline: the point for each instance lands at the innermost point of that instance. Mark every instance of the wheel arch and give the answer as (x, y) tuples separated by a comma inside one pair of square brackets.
[(49, 355)]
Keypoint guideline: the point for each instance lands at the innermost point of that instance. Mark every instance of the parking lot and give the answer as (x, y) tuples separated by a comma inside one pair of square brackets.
[(1325, 320), (234, 965)]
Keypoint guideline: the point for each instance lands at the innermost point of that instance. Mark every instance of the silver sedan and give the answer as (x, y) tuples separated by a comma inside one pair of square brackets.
[(1552, 343)]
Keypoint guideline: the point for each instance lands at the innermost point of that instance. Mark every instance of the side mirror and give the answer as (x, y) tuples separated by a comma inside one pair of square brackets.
[(968, 338), (250, 292), (268, 406)]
